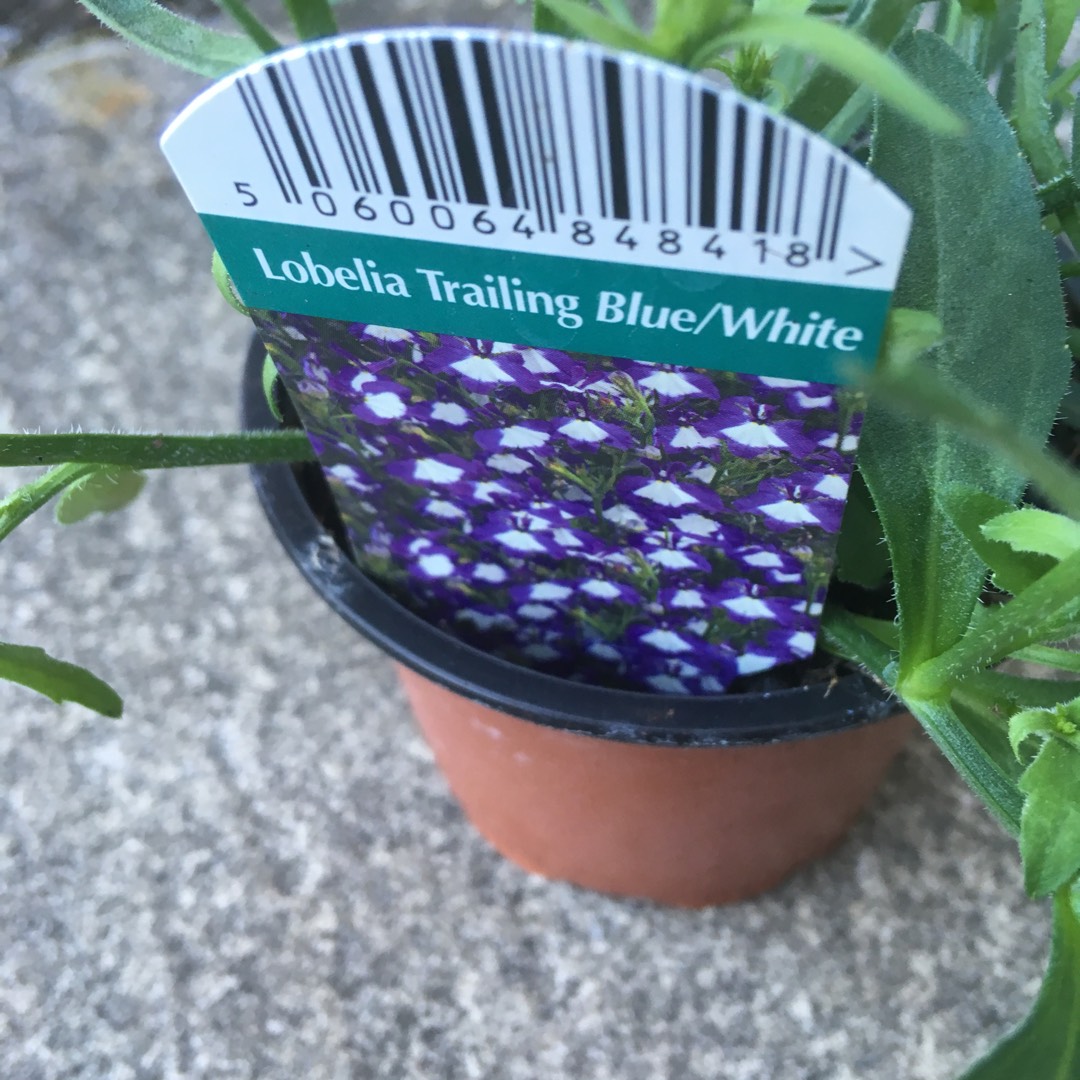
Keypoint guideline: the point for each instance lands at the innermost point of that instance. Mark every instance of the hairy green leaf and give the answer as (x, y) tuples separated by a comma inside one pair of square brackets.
[(1061, 659), (1021, 691), (174, 38), (1040, 532), (1046, 1046), (970, 510), (1050, 824), (861, 555), (952, 268), (225, 285), (848, 53), (102, 492), (58, 680), (826, 92)]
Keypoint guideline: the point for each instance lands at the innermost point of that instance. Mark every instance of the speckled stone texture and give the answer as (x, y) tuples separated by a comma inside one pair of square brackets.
[(257, 873)]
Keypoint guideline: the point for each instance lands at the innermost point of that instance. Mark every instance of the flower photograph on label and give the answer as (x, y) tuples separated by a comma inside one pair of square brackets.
[(642, 526)]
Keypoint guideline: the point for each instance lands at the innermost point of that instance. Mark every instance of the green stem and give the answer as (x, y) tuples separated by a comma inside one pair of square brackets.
[(24, 501), (826, 91), (1024, 620), (312, 18), (1031, 114), (251, 26), (1063, 81), (155, 451)]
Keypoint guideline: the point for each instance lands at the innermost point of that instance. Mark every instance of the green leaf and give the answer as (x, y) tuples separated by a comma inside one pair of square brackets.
[(1046, 1046), (952, 268), (58, 680), (970, 510), (174, 38), (1060, 16), (861, 555), (225, 285), (1040, 532), (1061, 659), (1022, 692), (1050, 824), (589, 23), (102, 492), (269, 379), (1059, 721), (312, 18), (826, 92), (848, 53)]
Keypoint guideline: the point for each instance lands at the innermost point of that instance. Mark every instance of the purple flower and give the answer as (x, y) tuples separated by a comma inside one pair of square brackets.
[(440, 470), (673, 384), (474, 365), (749, 429), (551, 365), (389, 337), (590, 433), (606, 591), (527, 435), (381, 403), (661, 490), (787, 504)]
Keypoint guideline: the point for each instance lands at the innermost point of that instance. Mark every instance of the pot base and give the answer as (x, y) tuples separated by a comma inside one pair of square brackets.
[(689, 827)]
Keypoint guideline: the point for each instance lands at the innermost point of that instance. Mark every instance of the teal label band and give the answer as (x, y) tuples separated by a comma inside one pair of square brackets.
[(755, 326)]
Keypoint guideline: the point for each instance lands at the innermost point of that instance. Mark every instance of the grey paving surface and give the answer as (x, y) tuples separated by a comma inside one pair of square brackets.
[(257, 873)]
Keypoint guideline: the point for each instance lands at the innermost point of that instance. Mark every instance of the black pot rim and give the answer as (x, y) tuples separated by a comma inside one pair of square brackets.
[(623, 715)]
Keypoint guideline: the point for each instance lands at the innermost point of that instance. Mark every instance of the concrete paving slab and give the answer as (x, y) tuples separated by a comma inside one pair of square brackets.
[(257, 874)]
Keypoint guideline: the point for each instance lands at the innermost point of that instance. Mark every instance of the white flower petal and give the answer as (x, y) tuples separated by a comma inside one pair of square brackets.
[(669, 384), (583, 431), (481, 369), (665, 493), (437, 472), (695, 524), (751, 663), (385, 405), (748, 607), (792, 513), (517, 540), (490, 572), (449, 412), (436, 565), (753, 434), (834, 486), (666, 641)]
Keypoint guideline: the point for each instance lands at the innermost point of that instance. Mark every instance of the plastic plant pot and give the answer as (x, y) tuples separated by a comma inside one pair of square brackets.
[(683, 800)]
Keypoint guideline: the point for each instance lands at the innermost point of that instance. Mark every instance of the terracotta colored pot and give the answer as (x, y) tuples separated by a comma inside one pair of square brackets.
[(682, 800), (686, 826)]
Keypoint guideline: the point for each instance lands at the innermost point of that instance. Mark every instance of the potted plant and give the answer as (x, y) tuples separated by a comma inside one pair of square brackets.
[(946, 506)]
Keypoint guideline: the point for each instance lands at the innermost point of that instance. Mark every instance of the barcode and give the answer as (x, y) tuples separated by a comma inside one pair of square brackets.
[(481, 122), (535, 145)]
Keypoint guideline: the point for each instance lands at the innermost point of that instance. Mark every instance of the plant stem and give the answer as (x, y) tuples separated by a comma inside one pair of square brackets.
[(24, 501), (155, 451), (251, 26)]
